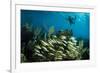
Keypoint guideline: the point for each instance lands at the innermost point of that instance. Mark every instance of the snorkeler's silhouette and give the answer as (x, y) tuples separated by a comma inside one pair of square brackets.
[(71, 20)]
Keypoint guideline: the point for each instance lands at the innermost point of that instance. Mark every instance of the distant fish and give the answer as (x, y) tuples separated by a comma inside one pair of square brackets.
[(44, 43), (44, 49), (71, 20), (38, 47), (63, 37)]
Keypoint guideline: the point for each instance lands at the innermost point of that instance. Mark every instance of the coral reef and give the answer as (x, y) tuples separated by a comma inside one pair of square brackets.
[(36, 47)]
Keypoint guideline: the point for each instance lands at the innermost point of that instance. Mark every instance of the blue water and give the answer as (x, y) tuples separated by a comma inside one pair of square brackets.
[(46, 19)]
